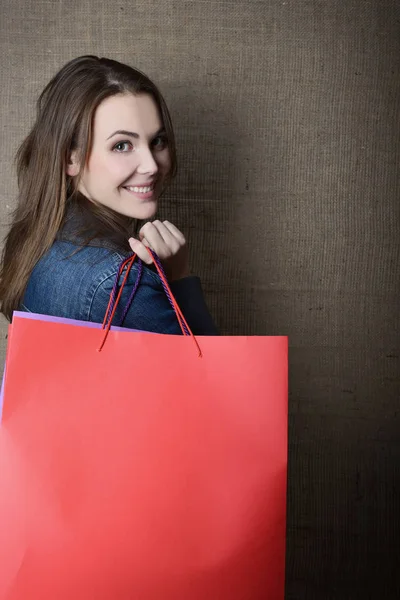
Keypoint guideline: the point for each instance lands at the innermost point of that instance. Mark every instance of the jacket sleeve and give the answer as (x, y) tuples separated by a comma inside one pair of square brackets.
[(150, 309), (189, 296)]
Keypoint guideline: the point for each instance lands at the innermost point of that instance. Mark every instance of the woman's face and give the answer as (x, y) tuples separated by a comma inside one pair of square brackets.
[(129, 159)]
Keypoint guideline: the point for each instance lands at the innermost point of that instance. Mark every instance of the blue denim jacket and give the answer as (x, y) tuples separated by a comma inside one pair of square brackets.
[(74, 282)]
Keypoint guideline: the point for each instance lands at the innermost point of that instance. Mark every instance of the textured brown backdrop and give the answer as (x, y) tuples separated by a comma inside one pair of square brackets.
[(287, 121)]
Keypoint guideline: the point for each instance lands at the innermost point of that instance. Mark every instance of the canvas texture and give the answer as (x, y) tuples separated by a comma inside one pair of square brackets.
[(286, 115)]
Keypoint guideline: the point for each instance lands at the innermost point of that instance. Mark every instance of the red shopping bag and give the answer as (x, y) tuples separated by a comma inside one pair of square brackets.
[(142, 471)]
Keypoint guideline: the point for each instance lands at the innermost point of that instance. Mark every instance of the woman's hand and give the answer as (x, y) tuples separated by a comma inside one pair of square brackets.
[(168, 243)]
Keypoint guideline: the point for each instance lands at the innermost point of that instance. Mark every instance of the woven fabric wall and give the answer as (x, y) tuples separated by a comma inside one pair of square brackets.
[(287, 121)]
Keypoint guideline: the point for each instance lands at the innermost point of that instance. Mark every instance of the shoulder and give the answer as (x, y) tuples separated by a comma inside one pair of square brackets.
[(76, 283), (67, 278)]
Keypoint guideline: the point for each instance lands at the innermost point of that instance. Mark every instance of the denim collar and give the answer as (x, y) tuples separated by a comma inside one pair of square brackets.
[(76, 229)]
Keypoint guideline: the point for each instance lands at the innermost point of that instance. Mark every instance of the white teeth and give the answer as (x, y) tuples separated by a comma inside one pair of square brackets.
[(140, 190)]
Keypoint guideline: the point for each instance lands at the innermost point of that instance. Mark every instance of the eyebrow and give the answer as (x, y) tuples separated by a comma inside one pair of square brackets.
[(133, 134)]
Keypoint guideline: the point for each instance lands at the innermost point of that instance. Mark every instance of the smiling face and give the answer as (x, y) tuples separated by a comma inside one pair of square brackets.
[(129, 159)]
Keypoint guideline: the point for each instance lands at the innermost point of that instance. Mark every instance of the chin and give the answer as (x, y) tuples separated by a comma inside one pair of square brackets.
[(146, 211)]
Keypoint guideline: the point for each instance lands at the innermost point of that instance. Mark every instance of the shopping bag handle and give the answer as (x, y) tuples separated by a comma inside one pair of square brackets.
[(128, 263), (115, 298)]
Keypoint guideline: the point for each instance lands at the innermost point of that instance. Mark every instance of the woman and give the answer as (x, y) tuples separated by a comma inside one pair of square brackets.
[(97, 160)]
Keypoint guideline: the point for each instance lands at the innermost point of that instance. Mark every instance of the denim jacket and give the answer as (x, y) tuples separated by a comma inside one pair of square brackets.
[(75, 282)]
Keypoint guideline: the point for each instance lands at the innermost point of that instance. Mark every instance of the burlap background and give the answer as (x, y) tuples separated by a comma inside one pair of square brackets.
[(287, 122)]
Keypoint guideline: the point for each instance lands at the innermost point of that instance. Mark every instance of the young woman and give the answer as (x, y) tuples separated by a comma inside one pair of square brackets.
[(93, 167)]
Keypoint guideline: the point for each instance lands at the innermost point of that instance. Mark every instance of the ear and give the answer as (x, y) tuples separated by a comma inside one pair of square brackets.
[(73, 164)]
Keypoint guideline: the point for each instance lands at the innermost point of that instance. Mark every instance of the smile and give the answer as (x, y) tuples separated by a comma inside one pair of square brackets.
[(140, 190)]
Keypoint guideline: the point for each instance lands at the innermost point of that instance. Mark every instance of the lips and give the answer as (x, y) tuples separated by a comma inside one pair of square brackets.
[(143, 193), (142, 189)]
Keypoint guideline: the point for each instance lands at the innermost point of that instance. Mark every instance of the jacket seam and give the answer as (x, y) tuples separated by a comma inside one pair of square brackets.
[(105, 277), (109, 273), (154, 276)]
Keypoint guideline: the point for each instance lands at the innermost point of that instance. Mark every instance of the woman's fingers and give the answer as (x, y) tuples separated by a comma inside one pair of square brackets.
[(160, 239), (168, 243), (172, 242), (175, 232), (140, 249), (150, 234)]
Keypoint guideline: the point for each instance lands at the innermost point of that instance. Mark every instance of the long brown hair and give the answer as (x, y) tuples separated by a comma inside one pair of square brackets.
[(65, 111)]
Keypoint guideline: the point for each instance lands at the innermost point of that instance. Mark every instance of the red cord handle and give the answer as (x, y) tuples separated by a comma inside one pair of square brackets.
[(127, 263)]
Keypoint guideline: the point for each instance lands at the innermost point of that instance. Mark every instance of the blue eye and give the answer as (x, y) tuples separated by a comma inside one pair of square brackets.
[(123, 147)]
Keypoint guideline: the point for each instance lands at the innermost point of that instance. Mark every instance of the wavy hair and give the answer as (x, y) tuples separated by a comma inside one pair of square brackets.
[(65, 112)]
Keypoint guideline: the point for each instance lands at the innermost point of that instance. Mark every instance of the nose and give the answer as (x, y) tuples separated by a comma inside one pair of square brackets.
[(147, 162)]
